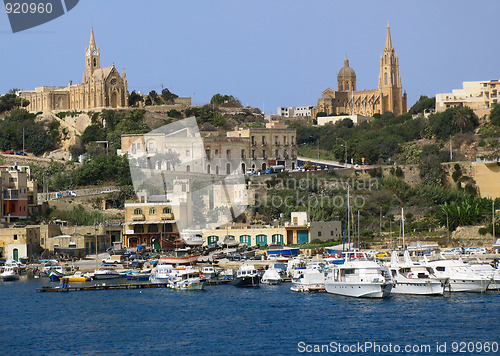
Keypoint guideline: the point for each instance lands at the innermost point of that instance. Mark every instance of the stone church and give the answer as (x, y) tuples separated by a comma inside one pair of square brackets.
[(387, 97), (101, 87)]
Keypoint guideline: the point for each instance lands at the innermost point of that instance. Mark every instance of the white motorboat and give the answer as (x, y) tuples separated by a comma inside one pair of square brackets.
[(412, 278), (271, 276), (191, 239), (310, 279), (185, 279), (10, 272), (106, 273), (489, 271), (461, 276), (161, 273), (359, 278)]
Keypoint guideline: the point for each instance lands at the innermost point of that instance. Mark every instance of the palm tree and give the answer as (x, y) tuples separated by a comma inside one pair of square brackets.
[(461, 117)]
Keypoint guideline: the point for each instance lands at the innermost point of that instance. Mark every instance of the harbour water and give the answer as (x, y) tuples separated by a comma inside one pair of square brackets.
[(226, 320)]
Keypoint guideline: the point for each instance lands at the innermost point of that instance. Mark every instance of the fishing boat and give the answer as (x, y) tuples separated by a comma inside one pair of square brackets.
[(180, 257), (412, 278), (284, 251), (246, 276), (271, 276), (56, 272), (187, 278), (161, 273), (208, 272), (359, 278), (9, 272)]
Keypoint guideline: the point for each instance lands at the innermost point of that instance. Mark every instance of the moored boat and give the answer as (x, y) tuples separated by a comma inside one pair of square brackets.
[(271, 276), (180, 257), (186, 279), (359, 278), (77, 277), (161, 273), (106, 273), (246, 276), (56, 272), (191, 239), (9, 272)]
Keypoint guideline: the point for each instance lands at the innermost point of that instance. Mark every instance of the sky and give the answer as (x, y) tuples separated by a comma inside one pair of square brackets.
[(267, 53)]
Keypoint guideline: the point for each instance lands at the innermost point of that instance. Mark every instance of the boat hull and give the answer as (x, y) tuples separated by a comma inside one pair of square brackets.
[(191, 285), (419, 287), (10, 277), (469, 285), (359, 290), (186, 260), (246, 281)]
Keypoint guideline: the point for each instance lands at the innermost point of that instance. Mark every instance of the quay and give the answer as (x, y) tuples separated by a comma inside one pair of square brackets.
[(67, 288)]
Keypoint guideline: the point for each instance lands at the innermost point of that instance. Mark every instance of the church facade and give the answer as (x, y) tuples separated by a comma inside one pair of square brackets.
[(101, 87), (347, 99)]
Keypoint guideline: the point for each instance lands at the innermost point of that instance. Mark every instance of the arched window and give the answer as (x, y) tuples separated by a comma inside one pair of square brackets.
[(246, 239), (188, 168), (385, 59), (208, 169), (263, 166), (152, 211), (137, 211), (95, 62), (217, 170), (228, 168), (261, 240), (385, 75), (278, 239), (167, 210), (213, 239)]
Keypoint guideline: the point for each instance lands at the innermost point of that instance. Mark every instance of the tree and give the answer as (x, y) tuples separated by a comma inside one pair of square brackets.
[(93, 133), (225, 100), (168, 97), (134, 99), (495, 115), (463, 117), (153, 98), (424, 103)]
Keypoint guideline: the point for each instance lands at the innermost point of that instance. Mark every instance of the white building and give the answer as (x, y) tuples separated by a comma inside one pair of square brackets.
[(356, 119), (480, 96), (295, 111)]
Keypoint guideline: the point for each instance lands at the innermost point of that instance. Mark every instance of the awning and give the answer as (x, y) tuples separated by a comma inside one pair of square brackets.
[(149, 222)]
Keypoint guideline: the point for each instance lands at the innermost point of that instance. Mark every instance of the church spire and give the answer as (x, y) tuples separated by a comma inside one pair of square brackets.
[(92, 39), (346, 61), (388, 40)]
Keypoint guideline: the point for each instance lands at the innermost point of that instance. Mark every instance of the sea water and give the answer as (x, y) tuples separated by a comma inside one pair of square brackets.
[(227, 320)]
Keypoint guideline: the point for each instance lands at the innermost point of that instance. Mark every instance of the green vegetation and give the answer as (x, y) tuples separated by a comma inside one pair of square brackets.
[(10, 101), (38, 136), (225, 100), (78, 216)]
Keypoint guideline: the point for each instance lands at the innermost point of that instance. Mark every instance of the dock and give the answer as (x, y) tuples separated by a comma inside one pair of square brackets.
[(68, 288)]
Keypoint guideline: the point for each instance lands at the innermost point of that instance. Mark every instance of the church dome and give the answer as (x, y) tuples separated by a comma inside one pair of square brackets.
[(346, 71)]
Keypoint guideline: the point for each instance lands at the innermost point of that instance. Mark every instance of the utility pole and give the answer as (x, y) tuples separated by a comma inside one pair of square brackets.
[(451, 151), (493, 217)]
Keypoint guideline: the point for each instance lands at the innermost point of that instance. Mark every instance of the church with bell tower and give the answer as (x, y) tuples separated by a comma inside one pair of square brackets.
[(389, 95), (101, 87)]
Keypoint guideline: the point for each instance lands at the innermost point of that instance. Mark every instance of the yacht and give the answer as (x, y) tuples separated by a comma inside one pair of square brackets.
[(488, 270), (310, 279), (161, 273), (461, 276), (246, 276), (412, 278), (208, 273), (185, 279), (191, 239), (359, 278), (10, 272), (271, 276)]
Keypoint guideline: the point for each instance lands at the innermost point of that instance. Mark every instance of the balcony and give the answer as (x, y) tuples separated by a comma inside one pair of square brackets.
[(138, 217), (167, 216)]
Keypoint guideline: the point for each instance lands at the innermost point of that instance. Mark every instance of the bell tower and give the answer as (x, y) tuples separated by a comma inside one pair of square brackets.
[(389, 81), (92, 56)]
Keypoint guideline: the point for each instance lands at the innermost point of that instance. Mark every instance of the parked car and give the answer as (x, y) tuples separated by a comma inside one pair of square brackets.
[(383, 254), (71, 193), (8, 152), (235, 256), (21, 153)]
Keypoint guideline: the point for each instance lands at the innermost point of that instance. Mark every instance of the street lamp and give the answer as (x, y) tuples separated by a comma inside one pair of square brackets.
[(345, 147)]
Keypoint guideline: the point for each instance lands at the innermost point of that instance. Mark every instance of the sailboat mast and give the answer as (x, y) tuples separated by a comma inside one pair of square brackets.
[(403, 226), (359, 240), (348, 220)]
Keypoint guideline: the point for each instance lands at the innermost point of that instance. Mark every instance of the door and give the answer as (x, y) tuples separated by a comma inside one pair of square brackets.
[(16, 254), (302, 236), (114, 99)]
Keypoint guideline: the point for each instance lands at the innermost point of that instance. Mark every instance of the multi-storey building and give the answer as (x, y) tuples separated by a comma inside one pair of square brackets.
[(295, 111), (480, 96), (18, 192)]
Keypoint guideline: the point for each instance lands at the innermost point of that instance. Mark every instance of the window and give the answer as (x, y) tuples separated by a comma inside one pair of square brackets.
[(133, 147), (278, 239), (253, 154), (151, 146), (228, 168), (253, 140), (153, 228), (319, 233), (293, 140), (167, 210), (242, 153), (216, 153), (188, 168), (385, 75), (263, 140), (137, 211), (264, 154), (261, 240), (277, 153), (228, 154), (152, 211), (188, 153), (276, 141), (246, 239), (15, 237), (138, 229)]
